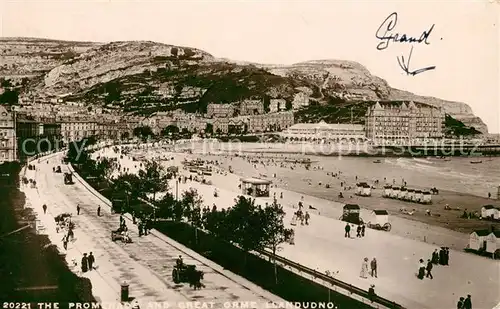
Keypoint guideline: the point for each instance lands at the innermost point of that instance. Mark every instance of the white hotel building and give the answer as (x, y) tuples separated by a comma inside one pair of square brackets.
[(326, 132)]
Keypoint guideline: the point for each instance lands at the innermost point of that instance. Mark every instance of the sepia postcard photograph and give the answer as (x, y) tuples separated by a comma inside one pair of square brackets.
[(192, 154)]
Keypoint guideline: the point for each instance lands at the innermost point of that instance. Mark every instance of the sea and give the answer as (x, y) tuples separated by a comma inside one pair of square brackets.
[(450, 173)]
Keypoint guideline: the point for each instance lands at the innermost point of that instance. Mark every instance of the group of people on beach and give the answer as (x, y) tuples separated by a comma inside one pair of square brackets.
[(360, 230), (440, 257)]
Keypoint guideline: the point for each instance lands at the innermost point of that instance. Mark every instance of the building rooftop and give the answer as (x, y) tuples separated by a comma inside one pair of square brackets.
[(256, 181)]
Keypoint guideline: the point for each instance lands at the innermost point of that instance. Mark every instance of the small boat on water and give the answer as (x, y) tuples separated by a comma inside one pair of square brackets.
[(476, 162), (377, 161)]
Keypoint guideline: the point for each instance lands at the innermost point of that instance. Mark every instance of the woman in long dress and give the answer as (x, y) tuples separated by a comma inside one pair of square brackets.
[(364, 269)]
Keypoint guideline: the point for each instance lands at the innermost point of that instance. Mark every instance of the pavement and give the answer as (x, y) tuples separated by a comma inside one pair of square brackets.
[(322, 246), (145, 265)]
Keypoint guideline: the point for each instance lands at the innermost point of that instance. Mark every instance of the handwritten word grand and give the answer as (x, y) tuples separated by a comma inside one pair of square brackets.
[(384, 33)]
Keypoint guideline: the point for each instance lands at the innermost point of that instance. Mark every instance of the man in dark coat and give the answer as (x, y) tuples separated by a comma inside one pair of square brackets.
[(85, 266), (363, 230), (91, 260), (44, 208), (358, 231), (347, 230), (468, 303), (446, 255), (429, 268), (460, 304), (78, 209), (99, 211)]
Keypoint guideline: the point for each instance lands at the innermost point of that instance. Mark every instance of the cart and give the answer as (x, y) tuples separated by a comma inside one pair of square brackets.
[(187, 273), (351, 214), (68, 178), (380, 220)]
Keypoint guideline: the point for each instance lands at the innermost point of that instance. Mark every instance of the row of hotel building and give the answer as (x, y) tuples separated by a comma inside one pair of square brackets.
[(394, 123)]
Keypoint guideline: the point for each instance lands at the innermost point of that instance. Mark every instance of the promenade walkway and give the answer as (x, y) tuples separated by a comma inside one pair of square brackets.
[(146, 264)]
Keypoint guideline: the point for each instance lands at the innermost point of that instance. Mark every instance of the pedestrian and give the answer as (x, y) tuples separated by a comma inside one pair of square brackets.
[(347, 230), (91, 261), (44, 209), (363, 230), (421, 269), (446, 256), (373, 266), (84, 263), (429, 268), (441, 256), (78, 209), (435, 257), (460, 304), (99, 211), (371, 292), (358, 230), (364, 268), (307, 218), (65, 242), (468, 302)]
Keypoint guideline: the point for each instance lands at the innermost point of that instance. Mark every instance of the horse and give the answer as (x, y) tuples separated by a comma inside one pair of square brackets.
[(194, 279)]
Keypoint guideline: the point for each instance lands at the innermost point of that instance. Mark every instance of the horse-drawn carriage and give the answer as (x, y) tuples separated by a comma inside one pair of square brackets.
[(68, 178), (351, 214), (187, 273), (380, 220), (120, 234)]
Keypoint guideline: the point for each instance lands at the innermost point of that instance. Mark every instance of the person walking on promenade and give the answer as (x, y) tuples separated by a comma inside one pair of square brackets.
[(85, 265), (441, 256), (421, 269), (91, 261), (347, 231), (307, 217), (65, 242), (460, 304), (363, 230), (78, 209), (435, 257), (373, 266), (358, 230), (429, 268), (446, 256), (364, 268), (371, 293), (468, 302), (44, 209), (99, 211)]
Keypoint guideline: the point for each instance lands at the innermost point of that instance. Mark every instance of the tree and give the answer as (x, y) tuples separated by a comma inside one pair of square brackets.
[(167, 206), (245, 221), (104, 168), (153, 178), (288, 105), (274, 230), (192, 203), (209, 128), (143, 132), (170, 129)]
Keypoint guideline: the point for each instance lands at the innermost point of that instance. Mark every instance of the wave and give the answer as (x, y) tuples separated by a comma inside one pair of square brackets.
[(425, 161)]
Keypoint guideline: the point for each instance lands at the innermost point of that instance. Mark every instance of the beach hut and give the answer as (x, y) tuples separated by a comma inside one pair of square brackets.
[(485, 241), (490, 212), (402, 193), (379, 219), (255, 187), (395, 192), (427, 197), (363, 189), (387, 191), (410, 193), (418, 196), (351, 214)]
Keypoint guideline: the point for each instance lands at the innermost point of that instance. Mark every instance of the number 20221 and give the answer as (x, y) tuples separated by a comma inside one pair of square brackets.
[(8, 305)]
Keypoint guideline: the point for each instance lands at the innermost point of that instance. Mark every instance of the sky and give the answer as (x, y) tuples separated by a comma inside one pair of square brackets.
[(463, 45)]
